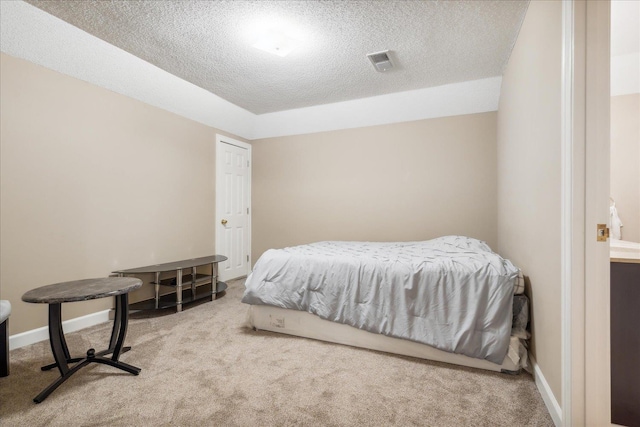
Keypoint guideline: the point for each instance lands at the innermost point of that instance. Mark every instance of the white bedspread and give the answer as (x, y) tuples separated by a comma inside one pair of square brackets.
[(452, 293)]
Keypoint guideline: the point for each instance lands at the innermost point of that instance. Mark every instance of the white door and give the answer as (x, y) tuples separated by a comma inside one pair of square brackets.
[(597, 365), (233, 224), (586, 396)]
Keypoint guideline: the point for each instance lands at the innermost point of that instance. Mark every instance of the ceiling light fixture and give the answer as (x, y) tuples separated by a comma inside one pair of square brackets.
[(275, 42), (381, 60)]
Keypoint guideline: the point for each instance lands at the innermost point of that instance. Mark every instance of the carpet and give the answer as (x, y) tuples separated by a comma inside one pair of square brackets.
[(204, 367)]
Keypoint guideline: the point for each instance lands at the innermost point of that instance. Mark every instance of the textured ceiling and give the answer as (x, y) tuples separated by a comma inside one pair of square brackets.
[(208, 43)]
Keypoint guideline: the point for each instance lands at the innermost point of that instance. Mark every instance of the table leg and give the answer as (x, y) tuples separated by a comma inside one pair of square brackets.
[(54, 385), (194, 272), (214, 280), (58, 333), (117, 320), (122, 314), (4, 354), (179, 290), (157, 289), (116, 323), (56, 338), (61, 352), (112, 342)]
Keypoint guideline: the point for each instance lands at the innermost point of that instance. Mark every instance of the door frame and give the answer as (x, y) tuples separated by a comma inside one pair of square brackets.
[(221, 139), (586, 377)]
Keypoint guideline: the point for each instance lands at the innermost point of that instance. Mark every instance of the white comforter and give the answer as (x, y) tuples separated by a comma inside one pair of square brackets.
[(452, 293)]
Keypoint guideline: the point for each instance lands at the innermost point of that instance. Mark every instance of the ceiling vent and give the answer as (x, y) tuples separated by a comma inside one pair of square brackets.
[(381, 60)]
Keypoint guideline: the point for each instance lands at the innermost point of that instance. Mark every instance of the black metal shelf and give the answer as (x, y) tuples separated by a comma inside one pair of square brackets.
[(201, 279), (193, 289), (169, 300)]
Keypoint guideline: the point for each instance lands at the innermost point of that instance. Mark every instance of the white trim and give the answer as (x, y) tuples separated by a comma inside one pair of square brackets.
[(548, 397), (585, 190), (477, 96), (596, 177), (231, 141), (566, 236), (42, 334), (220, 139)]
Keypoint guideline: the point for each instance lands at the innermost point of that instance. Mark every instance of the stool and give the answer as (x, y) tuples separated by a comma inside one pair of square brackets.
[(5, 311)]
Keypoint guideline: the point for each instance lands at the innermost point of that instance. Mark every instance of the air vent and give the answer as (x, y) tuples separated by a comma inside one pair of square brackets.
[(381, 60)]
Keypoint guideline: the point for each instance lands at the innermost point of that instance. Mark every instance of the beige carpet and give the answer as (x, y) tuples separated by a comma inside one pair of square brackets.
[(204, 367)]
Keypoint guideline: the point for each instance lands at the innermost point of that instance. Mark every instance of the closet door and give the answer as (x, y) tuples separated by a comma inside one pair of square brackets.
[(232, 207)]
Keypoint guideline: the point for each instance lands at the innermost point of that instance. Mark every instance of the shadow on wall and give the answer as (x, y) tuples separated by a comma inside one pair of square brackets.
[(528, 291)]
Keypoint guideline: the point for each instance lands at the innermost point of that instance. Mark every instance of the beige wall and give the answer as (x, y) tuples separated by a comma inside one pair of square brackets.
[(529, 176), (625, 162), (400, 182), (93, 181)]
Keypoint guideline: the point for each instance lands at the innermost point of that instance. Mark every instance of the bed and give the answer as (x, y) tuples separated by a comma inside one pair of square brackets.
[(450, 299)]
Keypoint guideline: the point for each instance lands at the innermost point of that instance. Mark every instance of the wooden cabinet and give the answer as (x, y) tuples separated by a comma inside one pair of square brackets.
[(625, 343)]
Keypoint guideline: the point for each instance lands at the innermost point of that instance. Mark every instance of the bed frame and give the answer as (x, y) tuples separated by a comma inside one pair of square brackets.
[(303, 324)]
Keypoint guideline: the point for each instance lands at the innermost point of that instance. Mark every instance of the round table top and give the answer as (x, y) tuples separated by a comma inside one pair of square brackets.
[(82, 290)]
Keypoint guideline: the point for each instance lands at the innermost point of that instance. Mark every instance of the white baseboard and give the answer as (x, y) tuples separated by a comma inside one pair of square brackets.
[(71, 325), (548, 397)]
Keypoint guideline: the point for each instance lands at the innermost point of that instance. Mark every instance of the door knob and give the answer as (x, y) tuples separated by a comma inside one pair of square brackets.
[(224, 222)]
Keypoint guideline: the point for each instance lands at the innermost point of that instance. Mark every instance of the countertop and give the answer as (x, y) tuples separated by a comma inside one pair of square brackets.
[(624, 251)]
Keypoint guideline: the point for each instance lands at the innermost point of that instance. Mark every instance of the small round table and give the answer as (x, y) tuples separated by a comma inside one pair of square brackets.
[(83, 290)]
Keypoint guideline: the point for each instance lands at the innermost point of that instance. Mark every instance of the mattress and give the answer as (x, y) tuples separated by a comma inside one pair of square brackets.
[(452, 293), (302, 324)]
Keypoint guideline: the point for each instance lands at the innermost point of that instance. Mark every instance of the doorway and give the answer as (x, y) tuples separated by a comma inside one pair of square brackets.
[(233, 210), (625, 210), (586, 383)]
